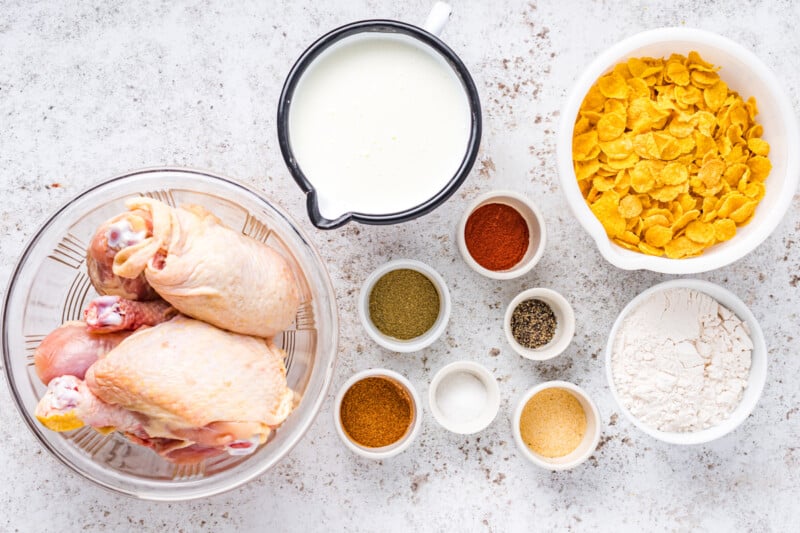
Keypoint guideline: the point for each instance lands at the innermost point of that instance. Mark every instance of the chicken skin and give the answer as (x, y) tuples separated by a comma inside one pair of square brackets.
[(177, 353), (71, 349), (180, 384), (107, 314), (210, 272), (116, 233)]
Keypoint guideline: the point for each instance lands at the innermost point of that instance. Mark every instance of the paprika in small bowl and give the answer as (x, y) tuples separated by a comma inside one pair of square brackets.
[(501, 235)]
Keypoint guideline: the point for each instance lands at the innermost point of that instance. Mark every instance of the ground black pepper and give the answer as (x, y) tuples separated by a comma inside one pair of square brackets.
[(533, 323)]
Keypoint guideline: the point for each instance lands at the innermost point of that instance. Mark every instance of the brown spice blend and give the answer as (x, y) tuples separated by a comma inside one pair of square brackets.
[(376, 412)]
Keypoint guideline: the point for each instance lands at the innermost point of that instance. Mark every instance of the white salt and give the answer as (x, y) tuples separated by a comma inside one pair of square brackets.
[(461, 397)]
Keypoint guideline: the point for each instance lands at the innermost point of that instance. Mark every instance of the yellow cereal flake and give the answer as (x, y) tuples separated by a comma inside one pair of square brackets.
[(667, 193), (724, 229), (700, 232), (658, 236), (602, 184), (619, 148), (703, 79), (585, 146), (682, 247), (711, 172), (606, 209), (629, 237), (668, 157), (586, 169), (743, 212), (613, 86), (730, 203), (649, 249), (759, 167), (630, 206), (610, 126), (638, 88), (688, 96), (684, 219), (714, 96), (674, 174)]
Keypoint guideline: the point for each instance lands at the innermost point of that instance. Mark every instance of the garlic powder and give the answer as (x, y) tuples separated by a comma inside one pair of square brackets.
[(681, 361)]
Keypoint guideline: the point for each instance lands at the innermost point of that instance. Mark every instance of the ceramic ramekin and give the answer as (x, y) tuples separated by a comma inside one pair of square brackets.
[(490, 408), (590, 439), (386, 451), (758, 364), (565, 324), (536, 231), (417, 343)]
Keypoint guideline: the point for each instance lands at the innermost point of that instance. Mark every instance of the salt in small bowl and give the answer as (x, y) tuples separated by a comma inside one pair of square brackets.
[(565, 324), (417, 343), (395, 448), (485, 414), (586, 447), (536, 231)]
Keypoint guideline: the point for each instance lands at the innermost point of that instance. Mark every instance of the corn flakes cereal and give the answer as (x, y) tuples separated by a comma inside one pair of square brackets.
[(668, 157)]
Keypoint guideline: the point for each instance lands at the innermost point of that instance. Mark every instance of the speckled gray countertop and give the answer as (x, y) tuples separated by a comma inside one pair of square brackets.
[(91, 89)]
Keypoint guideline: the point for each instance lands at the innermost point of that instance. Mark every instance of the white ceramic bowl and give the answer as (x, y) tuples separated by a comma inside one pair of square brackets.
[(417, 343), (386, 451), (490, 408), (758, 365), (744, 73), (565, 320), (590, 439), (536, 231)]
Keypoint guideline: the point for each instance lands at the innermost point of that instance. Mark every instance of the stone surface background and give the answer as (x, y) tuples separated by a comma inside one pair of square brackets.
[(92, 89)]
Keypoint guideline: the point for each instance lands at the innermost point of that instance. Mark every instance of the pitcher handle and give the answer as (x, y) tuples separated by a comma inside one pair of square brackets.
[(437, 18)]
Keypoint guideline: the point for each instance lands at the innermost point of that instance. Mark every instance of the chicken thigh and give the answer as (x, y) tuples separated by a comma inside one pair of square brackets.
[(184, 388), (210, 272), (192, 381)]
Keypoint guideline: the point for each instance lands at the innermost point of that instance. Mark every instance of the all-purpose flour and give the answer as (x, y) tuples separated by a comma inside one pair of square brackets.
[(680, 361)]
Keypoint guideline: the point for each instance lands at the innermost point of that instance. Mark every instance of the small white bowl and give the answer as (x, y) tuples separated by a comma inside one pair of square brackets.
[(590, 439), (744, 73), (565, 324), (392, 449), (758, 364), (417, 343), (536, 231), (490, 407)]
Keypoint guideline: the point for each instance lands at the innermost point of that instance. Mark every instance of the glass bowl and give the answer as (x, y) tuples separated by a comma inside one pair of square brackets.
[(50, 286)]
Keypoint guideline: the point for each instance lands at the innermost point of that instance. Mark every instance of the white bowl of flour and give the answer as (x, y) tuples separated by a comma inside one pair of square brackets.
[(686, 361)]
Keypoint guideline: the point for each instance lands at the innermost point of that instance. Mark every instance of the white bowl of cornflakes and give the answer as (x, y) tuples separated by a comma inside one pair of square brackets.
[(677, 151)]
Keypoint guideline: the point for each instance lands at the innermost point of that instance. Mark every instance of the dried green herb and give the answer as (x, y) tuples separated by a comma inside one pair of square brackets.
[(404, 304), (533, 323)]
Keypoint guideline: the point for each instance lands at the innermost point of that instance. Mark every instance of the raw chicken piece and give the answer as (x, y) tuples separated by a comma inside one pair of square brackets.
[(210, 272), (194, 382), (107, 314), (119, 232), (69, 404), (184, 388), (72, 349), (177, 451)]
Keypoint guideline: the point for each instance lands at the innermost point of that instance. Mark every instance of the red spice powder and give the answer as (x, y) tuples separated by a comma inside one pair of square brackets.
[(496, 236)]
